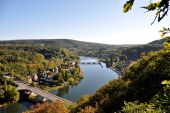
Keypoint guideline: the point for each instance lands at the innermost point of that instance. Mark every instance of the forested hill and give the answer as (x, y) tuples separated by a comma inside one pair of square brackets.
[(160, 41), (68, 43), (134, 52), (61, 43)]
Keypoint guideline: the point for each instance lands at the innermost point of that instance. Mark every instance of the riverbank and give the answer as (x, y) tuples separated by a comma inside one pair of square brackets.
[(23, 98), (117, 71), (62, 85), (49, 89)]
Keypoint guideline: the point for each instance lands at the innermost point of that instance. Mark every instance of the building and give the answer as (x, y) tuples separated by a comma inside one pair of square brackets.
[(29, 79), (35, 77)]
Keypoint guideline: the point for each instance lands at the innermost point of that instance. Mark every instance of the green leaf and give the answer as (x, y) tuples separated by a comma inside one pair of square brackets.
[(128, 6), (163, 34), (165, 28), (152, 6)]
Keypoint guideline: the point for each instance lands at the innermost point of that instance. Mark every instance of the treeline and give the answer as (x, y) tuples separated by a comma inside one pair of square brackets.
[(21, 63), (61, 43), (134, 53), (47, 51)]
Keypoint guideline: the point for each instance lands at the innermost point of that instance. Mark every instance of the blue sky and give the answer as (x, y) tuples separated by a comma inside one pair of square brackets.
[(87, 20)]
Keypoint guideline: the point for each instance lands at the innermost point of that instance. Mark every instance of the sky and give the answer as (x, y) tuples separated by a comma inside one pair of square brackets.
[(101, 21)]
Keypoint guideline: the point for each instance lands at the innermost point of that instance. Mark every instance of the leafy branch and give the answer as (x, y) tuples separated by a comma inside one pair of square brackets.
[(164, 31), (161, 8)]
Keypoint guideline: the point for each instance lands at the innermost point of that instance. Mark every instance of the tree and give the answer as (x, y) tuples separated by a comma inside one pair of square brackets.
[(88, 109), (5, 85), (11, 94), (1, 74), (56, 107), (162, 99), (135, 107), (159, 104)]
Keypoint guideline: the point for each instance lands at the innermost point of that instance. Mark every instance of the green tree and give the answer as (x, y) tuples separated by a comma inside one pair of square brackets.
[(159, 104), (11, 94), (135, 107), (1, 74), (5, 85), (1, 94), (162, 99)]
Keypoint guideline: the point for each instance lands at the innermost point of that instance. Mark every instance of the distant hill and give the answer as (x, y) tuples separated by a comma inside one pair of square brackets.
[(160, 41), (134, 53), (62, 43)]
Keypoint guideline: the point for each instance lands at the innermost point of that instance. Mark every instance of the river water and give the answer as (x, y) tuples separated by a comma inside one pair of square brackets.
[(95, 76)]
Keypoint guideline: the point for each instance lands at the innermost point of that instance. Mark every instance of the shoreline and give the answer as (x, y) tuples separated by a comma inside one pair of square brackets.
[(116, 71), (50, 89)]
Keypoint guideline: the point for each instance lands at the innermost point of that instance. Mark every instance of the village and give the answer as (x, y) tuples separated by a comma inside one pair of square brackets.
[(68, 72)]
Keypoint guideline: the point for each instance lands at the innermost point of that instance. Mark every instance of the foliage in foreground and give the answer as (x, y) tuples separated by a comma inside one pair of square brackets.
[(135, 107), (161, 7), (159, 104), (56, 107)]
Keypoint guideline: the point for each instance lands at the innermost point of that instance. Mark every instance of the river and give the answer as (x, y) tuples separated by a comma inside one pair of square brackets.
[(95, 76)]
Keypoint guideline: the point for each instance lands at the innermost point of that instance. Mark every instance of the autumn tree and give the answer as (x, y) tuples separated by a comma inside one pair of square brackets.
[(56, 107)]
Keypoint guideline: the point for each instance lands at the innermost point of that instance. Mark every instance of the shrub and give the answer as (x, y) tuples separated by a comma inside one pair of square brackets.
[(11, 94)]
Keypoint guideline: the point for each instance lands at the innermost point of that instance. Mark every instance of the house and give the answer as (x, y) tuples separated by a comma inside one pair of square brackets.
[(73, 63), (35, 77), (29, 79), (45, 80), (46, 74)]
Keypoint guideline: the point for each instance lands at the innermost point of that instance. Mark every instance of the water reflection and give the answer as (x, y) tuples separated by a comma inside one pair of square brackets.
[(63, 91), (16, 107)]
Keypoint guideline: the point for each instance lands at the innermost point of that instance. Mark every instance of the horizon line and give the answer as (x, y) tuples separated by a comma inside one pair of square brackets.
[(71, 39)]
